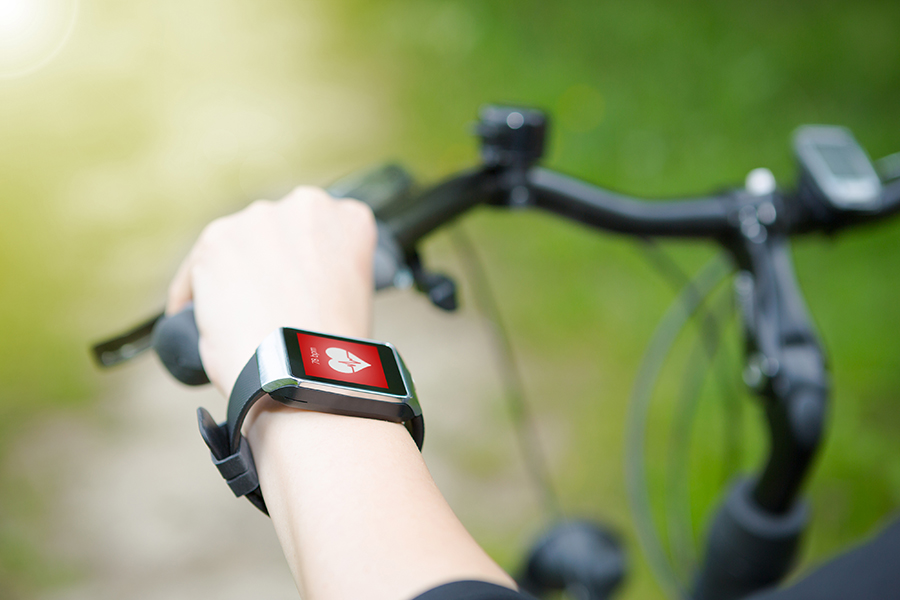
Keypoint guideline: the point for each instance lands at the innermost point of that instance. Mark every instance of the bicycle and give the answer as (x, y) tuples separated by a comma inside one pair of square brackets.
[(756, 530)]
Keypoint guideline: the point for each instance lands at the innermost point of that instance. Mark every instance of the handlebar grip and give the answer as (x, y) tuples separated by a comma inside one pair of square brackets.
[(388, 261), (177, 343), (176, 339)]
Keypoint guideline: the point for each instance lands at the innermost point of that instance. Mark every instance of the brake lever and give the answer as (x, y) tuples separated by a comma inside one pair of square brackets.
[(126, 345)]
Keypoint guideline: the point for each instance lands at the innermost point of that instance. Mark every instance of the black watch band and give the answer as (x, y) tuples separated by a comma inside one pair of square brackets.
[(230, 450)]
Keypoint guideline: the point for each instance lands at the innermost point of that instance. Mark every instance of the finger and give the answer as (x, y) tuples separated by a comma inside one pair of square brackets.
[(181, 289)]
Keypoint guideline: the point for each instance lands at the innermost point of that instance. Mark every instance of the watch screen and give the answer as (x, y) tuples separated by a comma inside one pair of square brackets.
[(357, 364)]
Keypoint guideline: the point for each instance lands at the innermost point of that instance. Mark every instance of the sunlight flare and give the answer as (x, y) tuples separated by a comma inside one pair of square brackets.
[(32, 32)]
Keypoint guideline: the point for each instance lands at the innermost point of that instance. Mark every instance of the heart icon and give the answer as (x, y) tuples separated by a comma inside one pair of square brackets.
[(343, 361)]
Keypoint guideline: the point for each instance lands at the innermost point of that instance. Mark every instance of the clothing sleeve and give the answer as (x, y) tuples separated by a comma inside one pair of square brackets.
[(472, 590), (868, 572)]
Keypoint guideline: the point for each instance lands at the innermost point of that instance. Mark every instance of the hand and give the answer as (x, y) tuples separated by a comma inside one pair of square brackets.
[(304, 261)]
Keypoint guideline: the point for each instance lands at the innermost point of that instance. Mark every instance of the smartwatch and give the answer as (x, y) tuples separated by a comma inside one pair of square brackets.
[(317, 372)]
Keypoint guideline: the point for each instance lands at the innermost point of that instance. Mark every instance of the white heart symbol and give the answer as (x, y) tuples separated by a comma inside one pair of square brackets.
[(343, 361)]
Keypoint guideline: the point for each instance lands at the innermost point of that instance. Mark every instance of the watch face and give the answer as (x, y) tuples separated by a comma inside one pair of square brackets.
[(355, 364)]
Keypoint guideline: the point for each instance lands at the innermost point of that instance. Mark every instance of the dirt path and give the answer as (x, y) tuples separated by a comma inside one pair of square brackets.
[(136, 509)]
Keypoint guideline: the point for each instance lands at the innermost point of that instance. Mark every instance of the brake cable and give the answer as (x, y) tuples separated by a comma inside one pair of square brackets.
[(686, 304), (680, 522), (710, 328), (520, 413), (703, 357)]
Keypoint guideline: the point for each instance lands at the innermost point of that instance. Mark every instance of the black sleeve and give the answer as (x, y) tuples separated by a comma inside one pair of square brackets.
[(472, 590), (868, 572)]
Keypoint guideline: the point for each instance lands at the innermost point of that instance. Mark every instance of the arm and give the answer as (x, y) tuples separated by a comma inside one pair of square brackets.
[(352, 502)]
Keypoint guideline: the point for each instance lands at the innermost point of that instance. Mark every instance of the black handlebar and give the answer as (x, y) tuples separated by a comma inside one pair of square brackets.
[(588, 204), (404, 219)]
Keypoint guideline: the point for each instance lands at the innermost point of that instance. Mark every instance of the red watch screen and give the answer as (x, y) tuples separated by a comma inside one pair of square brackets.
[(359, 364), (341, 360)]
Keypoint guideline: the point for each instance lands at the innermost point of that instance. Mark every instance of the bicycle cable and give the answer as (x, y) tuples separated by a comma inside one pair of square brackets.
[(686, 304), (710, 328), (678, 490), (520, 413), (679, 518)]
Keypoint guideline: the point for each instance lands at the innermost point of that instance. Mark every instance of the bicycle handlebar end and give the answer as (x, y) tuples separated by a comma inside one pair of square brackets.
[(177, 343)]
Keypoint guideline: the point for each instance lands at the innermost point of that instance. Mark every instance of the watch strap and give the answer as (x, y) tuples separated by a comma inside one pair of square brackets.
[(416, 427), (246, 391), (230, 450)]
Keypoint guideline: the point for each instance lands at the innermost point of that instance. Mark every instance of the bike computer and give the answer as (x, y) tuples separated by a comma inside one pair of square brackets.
[(837, 167)]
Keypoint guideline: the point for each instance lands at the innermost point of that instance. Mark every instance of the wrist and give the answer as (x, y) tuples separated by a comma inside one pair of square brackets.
[(277, 433)]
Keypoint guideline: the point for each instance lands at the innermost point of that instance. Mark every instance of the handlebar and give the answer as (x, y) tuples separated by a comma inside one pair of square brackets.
[(405, 218), (698, 217)]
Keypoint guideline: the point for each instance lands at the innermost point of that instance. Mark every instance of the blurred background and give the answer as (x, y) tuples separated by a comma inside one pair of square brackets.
[(125, 127)]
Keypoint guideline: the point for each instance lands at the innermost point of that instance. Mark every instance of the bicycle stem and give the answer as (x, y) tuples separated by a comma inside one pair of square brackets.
[(754, 536), (786, 365)]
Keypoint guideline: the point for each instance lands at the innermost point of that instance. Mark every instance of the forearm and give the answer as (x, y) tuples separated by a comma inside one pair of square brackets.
[(356, 511)]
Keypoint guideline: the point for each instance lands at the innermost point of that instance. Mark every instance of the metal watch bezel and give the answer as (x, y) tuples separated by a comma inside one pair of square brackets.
[(277, 379)]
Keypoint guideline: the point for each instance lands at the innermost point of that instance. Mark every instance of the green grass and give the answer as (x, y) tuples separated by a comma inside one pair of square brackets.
[(155, 120)]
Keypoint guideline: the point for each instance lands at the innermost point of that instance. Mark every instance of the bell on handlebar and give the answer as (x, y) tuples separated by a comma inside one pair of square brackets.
[(511, 136)]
